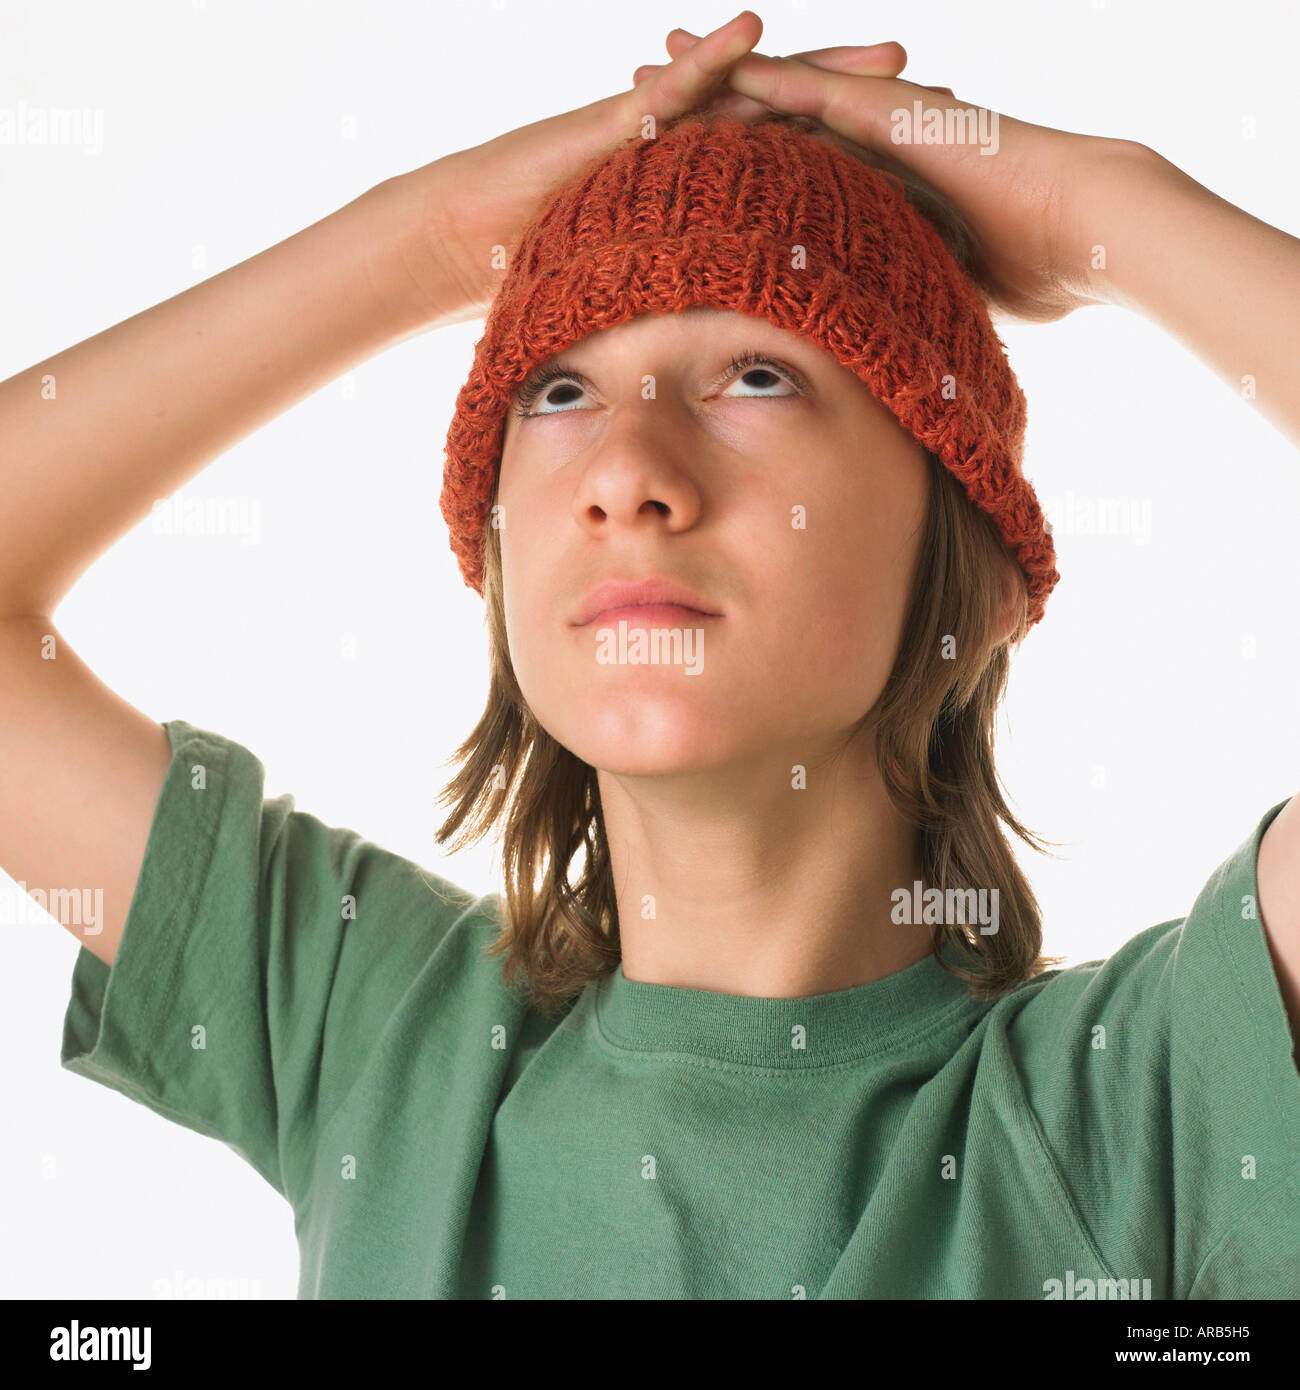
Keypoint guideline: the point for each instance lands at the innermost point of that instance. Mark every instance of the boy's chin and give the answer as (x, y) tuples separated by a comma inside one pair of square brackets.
[(648, 741)]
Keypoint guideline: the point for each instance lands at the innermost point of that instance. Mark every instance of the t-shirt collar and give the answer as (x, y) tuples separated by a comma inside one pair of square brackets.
[(815, 1030)]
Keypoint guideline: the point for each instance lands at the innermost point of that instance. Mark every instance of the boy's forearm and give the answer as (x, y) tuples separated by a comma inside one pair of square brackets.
[(1222, 282), (91, 437)]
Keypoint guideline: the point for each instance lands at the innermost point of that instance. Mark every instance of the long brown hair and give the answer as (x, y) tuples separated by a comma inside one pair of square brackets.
[(933, 727)]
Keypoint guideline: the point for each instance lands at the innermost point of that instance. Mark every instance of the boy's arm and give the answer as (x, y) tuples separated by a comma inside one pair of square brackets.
[(1222, 282), (1226, 285), (1278, 881), (91, 437)]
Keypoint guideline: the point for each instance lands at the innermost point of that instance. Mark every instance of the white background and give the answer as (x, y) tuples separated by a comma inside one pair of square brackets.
[(1140, 729)]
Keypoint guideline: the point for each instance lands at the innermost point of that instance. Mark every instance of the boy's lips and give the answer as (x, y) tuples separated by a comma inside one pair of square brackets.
[(658, 614), (653, 599)]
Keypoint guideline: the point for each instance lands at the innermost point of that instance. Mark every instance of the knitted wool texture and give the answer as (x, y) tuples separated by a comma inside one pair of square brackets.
[(713, 212)]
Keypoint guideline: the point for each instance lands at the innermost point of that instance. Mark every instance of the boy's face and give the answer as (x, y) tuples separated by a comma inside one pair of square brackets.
[(792, 507)]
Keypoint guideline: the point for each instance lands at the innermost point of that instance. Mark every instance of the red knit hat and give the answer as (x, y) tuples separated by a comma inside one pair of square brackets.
[(712, 212)]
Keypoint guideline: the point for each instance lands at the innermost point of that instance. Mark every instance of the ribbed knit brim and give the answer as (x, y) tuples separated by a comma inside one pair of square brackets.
[(712, 212)]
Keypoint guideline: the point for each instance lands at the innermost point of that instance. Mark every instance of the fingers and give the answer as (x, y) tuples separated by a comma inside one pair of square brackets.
[(866, 60), (723, 101), (841, 101), (698, 69), (871, 60), (862, 62)]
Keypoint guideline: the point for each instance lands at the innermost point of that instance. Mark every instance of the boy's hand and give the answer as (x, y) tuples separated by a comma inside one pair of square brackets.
[(461, 207), (469, 203), (1039, 203)]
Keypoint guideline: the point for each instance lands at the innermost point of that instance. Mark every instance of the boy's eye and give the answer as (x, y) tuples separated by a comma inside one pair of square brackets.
[(548, 397), (773, 374), (555, 391)]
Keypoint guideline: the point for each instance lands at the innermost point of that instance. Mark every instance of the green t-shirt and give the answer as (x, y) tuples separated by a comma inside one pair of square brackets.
[(323, 1007)]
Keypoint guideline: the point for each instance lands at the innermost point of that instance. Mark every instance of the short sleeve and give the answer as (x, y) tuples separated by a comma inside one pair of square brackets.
[(1168, 1095), (261, 953)]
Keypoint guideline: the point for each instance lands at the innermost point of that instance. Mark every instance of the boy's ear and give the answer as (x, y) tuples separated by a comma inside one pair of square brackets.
[(1009, 613)]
